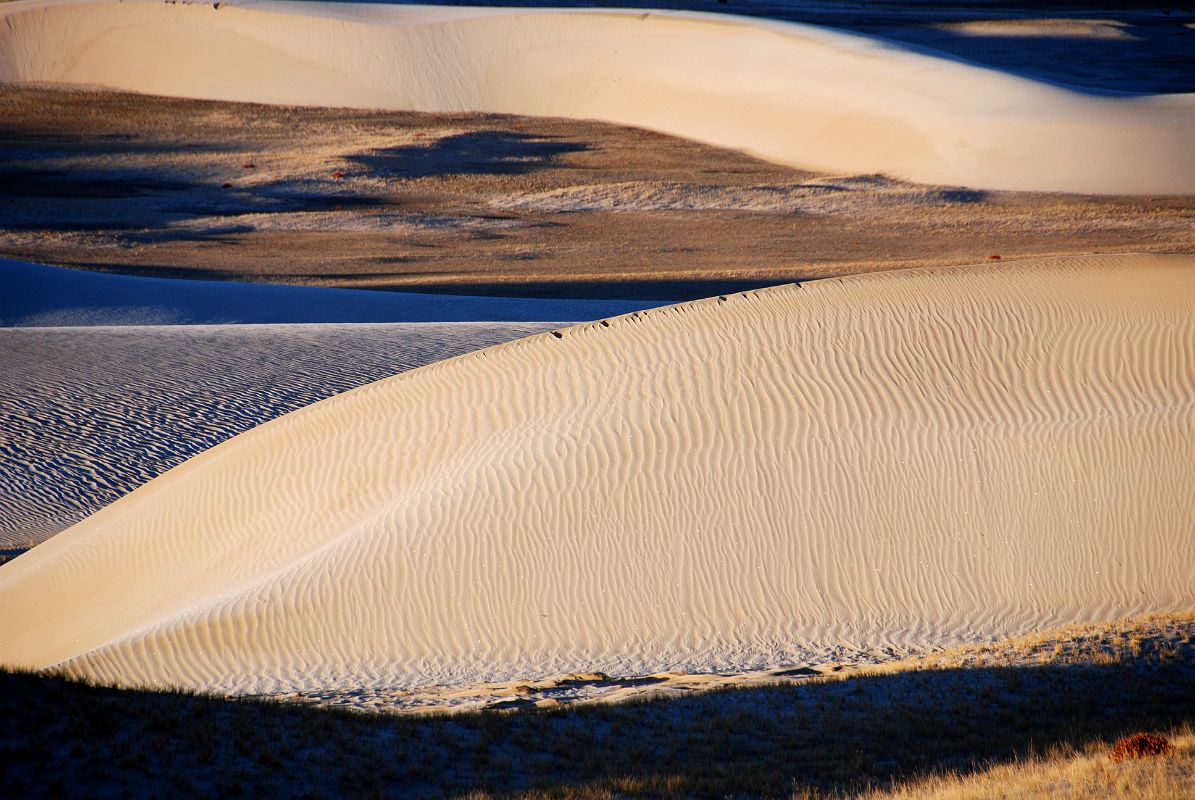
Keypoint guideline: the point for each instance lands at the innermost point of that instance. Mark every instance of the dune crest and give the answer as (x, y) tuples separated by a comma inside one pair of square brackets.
[(892, 460), (794, 94)]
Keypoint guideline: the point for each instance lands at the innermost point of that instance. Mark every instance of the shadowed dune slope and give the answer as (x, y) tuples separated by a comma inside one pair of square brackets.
[(899, 459), (796, 94), (38, 296)]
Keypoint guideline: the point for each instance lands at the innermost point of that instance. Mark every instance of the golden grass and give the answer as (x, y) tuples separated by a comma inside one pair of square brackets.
[(1155, 638), (1090, 774)]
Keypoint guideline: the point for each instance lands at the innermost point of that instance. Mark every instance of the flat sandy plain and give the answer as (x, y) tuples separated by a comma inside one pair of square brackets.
[(966, 417), (485, 204)]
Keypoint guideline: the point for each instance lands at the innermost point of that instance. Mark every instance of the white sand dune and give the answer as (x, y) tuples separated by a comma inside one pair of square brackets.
[(87, 414), (892, 460), (795, 94)]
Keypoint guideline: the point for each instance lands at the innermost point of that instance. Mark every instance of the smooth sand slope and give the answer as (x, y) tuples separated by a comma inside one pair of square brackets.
[(87, 414), (795, 94), (892, 460)]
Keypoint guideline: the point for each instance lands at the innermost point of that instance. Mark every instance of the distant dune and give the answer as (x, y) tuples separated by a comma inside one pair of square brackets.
[(795, 94), (893, 460)]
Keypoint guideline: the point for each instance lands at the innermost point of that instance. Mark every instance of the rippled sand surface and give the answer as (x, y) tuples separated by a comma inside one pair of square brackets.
[(900, 459), (88, 414)]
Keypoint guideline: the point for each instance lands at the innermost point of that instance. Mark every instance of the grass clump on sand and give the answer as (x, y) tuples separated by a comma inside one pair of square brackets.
[(1039, 713)]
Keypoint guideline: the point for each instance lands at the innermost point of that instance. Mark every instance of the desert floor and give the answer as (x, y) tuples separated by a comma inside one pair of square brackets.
[(485, 204)]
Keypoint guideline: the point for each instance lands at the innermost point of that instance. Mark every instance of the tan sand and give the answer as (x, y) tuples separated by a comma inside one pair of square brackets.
[(893, 460), (790, 93)]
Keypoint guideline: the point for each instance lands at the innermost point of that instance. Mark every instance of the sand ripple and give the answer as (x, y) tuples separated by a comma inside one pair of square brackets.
[(890, 460), (89, 414)]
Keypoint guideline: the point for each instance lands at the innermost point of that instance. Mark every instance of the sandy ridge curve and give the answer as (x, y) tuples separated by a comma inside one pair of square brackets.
[(884, 461), (795, 94)]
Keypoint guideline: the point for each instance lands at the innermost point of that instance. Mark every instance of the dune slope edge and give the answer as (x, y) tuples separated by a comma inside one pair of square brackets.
[(794, 94), (883, 461)]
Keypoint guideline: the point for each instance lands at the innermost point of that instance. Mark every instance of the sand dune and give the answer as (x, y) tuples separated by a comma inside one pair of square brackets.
[(893, 460), (87, 414), (795, 94)]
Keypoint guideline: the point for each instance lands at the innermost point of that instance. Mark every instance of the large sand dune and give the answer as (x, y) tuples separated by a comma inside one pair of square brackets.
[(892, 460), (795, 94)]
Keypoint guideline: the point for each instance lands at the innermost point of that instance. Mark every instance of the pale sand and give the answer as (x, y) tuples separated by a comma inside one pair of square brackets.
[(895, 460), (87, 414), (795, 94)]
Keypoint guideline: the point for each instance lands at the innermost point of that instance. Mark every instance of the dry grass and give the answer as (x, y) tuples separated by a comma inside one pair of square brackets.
[(1092, 773), (1146, 640)]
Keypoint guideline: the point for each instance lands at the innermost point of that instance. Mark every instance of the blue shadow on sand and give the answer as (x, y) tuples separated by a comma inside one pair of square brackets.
[(34, 295)]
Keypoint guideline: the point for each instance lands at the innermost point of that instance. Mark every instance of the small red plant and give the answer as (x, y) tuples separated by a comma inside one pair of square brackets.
[(1140, 745)]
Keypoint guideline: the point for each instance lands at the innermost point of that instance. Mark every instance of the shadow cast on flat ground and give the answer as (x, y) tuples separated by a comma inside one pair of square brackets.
[(474, 153), (61, 739), (47, 197), (664, 291), (59, 184)]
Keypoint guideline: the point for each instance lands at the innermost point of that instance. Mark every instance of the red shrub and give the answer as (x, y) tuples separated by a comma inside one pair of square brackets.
[(1140, 745)]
